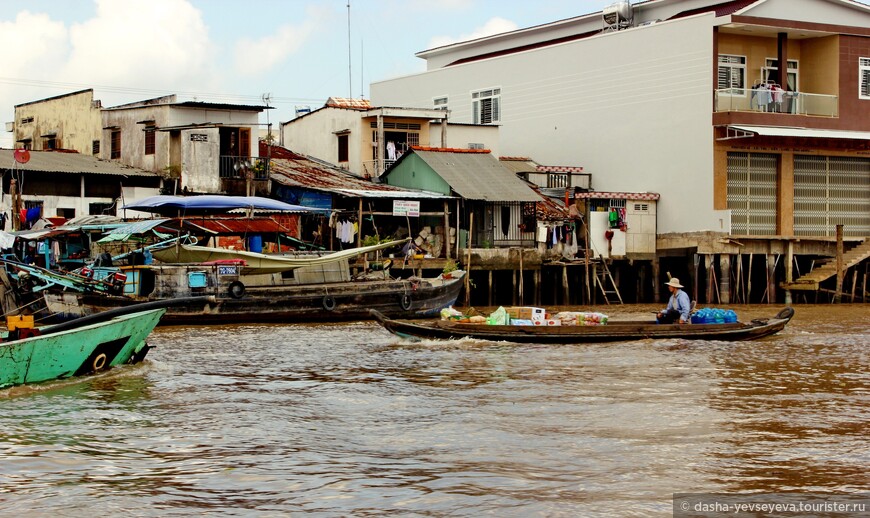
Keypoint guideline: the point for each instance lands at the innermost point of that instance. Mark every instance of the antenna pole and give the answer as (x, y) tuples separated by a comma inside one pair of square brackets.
[(349, 79)]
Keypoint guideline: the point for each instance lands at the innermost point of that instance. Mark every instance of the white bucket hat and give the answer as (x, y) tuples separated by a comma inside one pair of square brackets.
[(674, 282)]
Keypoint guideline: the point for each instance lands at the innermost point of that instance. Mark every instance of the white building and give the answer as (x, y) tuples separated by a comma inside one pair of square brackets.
[(658, 97)]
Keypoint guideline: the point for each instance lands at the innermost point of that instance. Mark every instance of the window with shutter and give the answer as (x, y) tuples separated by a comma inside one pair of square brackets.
[(485, 106), (732, 72), (864, 78)]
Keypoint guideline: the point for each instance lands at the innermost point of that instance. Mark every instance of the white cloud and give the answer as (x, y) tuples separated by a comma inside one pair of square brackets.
[(258, 56), (161, 44), (493, 26)]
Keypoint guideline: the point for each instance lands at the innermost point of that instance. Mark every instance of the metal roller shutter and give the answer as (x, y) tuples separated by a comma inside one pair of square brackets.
[(752, 193), (828, 191)]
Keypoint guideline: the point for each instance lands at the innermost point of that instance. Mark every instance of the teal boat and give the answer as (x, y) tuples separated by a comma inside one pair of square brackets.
[(79, 347)]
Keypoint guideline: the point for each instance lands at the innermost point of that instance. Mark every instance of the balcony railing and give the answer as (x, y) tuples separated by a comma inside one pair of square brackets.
[(370, 167), (239, 167), (560, 180), (795, 103)]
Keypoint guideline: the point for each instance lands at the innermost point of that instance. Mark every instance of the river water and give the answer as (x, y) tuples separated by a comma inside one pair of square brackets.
[(347, 420)]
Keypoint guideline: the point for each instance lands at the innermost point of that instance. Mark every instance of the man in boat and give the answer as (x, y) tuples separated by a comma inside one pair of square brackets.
[(679, 305)]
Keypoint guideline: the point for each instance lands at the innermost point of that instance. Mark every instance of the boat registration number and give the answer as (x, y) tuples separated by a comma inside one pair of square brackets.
[(227, 270)]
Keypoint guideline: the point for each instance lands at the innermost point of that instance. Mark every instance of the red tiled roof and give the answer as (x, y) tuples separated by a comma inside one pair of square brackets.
[(354, 104)]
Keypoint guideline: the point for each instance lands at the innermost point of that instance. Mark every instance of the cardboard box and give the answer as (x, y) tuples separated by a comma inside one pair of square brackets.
[(526, 313)]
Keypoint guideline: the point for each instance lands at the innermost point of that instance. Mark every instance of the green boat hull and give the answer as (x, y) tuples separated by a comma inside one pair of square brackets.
[(77, 351)]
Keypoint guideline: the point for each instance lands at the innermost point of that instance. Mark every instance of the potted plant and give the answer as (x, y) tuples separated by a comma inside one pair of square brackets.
[(449, 267)]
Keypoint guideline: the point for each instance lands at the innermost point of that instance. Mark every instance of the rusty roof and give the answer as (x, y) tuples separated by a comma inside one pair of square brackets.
[(230, 225), (296, 170)]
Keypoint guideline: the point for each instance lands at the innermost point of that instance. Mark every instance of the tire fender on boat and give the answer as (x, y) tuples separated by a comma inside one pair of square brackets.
[(405, 301), (329, 303), (236, 289), (99, 362)]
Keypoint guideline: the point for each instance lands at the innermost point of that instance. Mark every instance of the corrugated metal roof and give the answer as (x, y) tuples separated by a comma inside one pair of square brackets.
[(233, 226), (518, 164), (476, 176), (65, 162), (295, 170), (362, 193)]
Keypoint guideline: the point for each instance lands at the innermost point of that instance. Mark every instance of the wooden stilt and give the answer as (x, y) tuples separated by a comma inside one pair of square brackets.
[(725, 280), (840, 272), (565, 291), (708, 266), (749, 280), (489, 300), (740, 293)]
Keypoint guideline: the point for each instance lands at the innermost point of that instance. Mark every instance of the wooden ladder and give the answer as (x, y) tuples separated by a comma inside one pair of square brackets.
[(605, 283)]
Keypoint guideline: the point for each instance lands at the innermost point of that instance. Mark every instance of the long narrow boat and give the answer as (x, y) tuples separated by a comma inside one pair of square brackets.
[(613, 331), (30, 355), (232, 299)]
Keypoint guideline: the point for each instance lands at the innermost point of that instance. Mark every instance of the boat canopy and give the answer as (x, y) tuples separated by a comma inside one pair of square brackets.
[(169, 205)]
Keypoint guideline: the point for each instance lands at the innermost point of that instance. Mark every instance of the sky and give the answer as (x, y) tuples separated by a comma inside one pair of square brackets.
[(287, 52)]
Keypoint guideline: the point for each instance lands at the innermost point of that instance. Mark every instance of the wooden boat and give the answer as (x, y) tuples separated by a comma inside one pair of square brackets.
[(84, 346), (305, 296), (257, 263), (613, 331)]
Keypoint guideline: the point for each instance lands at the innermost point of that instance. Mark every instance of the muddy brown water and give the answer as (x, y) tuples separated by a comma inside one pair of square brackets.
[(348, 420)]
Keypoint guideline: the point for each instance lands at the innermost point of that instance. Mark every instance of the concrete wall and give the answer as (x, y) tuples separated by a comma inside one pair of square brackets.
[(460, 136), (315, 135), (631, 107), (74, 118), (201, 151)]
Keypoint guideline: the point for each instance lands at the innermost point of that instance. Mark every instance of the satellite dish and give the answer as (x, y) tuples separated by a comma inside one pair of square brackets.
[(22, 155)]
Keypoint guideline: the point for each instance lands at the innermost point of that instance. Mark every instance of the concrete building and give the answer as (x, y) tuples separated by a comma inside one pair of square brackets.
[(69, 121), (202, 147), (687, 99)]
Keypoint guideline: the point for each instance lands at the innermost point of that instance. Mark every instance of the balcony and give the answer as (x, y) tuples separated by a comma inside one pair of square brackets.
[(794, 103), (240, 167), (371, 167)]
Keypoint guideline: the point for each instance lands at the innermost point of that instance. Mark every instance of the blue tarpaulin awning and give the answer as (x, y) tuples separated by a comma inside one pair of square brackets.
[(212, 203)]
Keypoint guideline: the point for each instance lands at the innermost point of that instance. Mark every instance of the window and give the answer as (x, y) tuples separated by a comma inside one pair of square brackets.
[(116, 145), (26, 120), (485, 106), (343, 151), (66, 213), (150, 139), (864, 78), (771, 65), (95, 147), (95, 209), (732, 72), (50, 143), (440, 103)]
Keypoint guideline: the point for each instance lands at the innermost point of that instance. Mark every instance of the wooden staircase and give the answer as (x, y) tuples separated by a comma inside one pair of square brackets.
[(811, 280)]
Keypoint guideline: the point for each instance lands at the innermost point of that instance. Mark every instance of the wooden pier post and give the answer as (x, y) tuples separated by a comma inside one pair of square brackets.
[(789, 270), (840, 274), (708, 265), (725, 278), (565, 293), (771, 278)]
